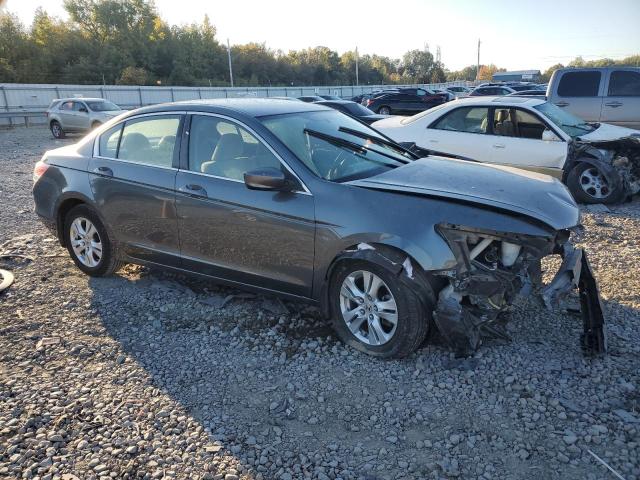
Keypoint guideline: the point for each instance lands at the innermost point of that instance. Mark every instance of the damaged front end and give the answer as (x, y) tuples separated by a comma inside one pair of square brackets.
[(494, 268), (618, 160)]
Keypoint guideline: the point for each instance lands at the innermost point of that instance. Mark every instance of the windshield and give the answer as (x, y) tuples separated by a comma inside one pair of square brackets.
[(102, 106), (323, 142), (418, 116), (570, 124), (357, 109)]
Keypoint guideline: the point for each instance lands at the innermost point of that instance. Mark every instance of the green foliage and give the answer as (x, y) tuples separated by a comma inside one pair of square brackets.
[(126, 42)]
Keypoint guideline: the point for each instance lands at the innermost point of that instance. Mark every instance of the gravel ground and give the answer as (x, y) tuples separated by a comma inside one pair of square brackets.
[(148, 375)]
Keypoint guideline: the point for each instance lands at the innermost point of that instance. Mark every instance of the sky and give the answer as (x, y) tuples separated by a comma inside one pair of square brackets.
[(516, 35)]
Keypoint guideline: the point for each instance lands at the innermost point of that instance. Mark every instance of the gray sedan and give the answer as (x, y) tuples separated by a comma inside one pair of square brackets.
[(302, 201)]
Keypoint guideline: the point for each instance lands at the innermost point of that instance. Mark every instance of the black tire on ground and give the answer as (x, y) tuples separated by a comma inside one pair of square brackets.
[(384, 110), (585, 192), (412, 324), (57, 130), (110, 262)]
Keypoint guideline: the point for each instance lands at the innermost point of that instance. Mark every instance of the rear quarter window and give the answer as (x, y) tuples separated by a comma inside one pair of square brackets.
[(579, 84)]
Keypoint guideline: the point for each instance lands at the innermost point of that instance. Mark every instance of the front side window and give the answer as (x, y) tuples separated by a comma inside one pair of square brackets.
[(467, 119), (624, 83), (224, 149), (528, 125), (78, 106), (335, 147), (150, 140), (579, 84)]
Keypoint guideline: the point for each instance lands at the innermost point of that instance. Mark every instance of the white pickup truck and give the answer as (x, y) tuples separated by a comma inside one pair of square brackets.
[(607, 94)]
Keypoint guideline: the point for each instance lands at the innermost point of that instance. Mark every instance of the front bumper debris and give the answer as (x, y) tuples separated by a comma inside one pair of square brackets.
[(469, 308)]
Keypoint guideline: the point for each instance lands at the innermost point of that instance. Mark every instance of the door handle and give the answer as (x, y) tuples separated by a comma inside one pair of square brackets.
[(193, 190), (498, 145), (105, 171), (562, 104), (614, 104)]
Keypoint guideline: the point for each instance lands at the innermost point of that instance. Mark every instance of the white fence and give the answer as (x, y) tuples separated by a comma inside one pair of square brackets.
[(16, 97)]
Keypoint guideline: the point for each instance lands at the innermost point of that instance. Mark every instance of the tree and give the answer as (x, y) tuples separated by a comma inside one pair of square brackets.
[(133, 76)]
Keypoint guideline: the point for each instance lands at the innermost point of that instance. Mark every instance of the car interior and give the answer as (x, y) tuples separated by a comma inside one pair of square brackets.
[(517, 123), (220, 148)]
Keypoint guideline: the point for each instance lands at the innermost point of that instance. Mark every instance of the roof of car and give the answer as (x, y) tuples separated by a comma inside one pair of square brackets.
[(530, 101), (255, 107), (84, 99), (339, 102)]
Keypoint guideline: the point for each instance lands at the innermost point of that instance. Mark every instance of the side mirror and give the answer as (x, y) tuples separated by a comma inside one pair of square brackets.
[(267, 178), (549, 136)]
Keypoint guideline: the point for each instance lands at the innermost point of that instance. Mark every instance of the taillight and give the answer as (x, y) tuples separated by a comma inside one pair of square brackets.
[(39, 170), (369, 102)]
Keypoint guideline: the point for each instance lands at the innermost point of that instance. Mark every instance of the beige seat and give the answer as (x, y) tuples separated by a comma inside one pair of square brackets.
[(504, 126), (135, 146), (227, 160)]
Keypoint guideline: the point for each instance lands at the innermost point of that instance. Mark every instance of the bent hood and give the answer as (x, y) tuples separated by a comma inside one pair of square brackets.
[(607, 132), (535, 195)]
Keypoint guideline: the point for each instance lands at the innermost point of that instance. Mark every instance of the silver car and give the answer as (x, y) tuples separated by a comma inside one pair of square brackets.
[(71, 115)]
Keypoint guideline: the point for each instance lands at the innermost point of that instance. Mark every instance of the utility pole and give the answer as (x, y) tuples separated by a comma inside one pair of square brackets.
[(357, 79), (230, 69), (478, 64)]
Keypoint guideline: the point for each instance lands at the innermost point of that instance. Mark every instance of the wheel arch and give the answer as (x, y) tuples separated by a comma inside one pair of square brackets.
[(62, 209), (409, 271)]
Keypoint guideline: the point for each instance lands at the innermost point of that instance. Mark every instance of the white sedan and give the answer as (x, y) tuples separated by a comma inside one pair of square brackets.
[(600, 163)]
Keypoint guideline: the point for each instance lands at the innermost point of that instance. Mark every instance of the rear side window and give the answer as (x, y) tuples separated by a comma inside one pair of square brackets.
[(624, 83), (468, 119), (108, 146), (66, 106), (579, 84), (150, 140)]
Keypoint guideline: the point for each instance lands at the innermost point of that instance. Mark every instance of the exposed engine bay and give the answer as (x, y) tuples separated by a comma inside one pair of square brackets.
[(619, 161), (494, 269)]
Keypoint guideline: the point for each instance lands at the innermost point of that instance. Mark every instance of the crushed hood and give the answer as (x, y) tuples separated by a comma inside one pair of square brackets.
[(606, 132), (535, 195)]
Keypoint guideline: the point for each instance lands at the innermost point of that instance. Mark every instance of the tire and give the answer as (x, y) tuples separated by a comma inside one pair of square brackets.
[(91, 263), (56, 130), (384, 110), (588, 184), (411, 325)]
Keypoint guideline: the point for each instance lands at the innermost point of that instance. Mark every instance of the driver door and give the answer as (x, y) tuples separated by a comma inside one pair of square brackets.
[(252, 237)]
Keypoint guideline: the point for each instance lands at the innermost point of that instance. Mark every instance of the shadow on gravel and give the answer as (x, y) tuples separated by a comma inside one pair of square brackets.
[(272, 386)]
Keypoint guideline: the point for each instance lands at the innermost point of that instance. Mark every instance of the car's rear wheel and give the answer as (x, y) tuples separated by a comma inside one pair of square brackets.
[(57, 130), (384, 110), (89, 244), (373, 312), (588, 184)]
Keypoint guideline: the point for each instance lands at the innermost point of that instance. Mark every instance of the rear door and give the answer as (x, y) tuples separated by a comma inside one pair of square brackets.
[(581, 93), (460, 132), (132, 176), (622, 102), (253, 237)]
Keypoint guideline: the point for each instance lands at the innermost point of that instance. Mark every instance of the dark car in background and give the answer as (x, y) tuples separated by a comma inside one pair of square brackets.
[(405, 101), (330, 97), (311, 98), (300, 200), (354, 109)]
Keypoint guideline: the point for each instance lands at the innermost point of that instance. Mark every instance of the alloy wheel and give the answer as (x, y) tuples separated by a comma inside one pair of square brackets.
[(86, 242), (368, 308), (594, 183)]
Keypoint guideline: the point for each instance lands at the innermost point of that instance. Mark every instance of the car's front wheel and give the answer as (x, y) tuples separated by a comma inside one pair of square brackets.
[(588, 184), (373, 312), (57, 130), (89, 244)]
